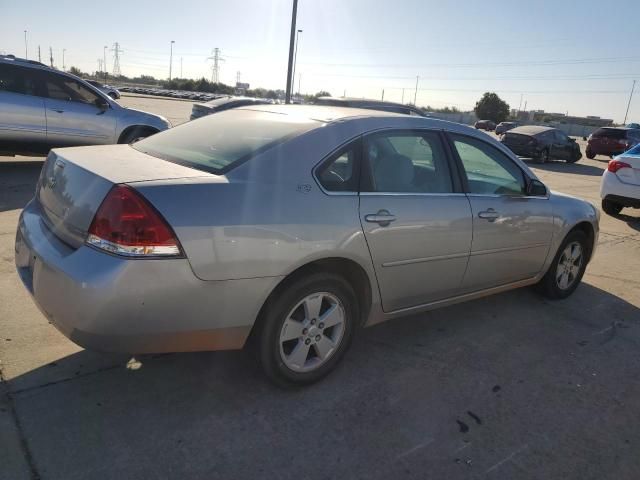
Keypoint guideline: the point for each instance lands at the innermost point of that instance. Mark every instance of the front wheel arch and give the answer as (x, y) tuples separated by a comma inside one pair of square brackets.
[(144, 130)]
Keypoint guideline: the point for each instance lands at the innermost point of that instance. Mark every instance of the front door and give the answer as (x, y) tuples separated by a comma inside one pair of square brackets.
[(511, 231), (416, 222), (73, 117)]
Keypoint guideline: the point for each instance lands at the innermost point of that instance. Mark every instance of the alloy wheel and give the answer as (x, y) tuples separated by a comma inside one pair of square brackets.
[(569, 265), (312, 332)]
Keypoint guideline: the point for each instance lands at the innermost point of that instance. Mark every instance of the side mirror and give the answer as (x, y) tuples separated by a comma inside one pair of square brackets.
[(102, 104), (536, 189)]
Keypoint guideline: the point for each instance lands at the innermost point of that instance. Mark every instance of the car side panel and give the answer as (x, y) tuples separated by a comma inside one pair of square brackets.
[(22, 118)]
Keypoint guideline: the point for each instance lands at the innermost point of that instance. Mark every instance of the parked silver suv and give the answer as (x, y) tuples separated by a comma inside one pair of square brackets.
[(44, 108)]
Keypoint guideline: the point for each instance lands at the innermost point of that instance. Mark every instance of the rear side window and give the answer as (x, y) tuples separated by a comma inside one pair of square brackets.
[(339, 173), (219, 142), (610, 133), (16, 79), (59, 87)]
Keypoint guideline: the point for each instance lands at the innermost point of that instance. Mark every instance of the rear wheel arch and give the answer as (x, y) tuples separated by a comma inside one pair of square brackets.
[(348, 269)]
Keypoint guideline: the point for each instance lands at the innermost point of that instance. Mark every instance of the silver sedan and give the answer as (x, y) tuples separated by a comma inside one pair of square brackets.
[(286, 228)]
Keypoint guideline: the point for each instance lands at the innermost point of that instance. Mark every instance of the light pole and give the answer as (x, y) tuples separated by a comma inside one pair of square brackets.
[(26, 55), (171, 58), (63, 67), (629, 104), (415, 95), (294, 12), (295, 59), (104, 62)]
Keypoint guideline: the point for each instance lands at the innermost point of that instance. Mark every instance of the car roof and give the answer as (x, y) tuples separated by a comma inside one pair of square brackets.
[(322, 113), (531, 129), (230, 98)]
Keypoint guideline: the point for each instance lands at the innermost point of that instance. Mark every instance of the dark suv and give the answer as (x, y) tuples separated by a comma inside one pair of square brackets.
[(611, 141)]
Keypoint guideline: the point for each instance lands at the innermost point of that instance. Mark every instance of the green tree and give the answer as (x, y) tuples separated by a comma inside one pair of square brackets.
[(77, 72), (492, 107)]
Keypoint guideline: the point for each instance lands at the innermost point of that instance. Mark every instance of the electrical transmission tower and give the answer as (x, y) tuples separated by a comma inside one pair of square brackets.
[(51, 56), (116, 59), (238, 77), (215, 69), (100, 65)]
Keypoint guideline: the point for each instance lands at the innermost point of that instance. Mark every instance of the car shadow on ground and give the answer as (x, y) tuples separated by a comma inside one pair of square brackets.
[(564, 167), (17, 183), (455, 391)]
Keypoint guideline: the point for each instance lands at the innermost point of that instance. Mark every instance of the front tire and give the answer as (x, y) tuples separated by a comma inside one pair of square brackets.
[(611, 208), (136, 134), (568, 266), (543, 156), (590, 154), (306, 329)]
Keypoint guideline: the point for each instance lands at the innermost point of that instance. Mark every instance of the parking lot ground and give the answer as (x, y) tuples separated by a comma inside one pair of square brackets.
[(505, 387)]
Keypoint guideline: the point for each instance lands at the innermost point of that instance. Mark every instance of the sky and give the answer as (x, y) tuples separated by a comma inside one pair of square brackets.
[(575, 57)]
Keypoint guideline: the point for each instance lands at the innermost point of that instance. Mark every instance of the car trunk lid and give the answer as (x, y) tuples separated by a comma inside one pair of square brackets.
[(74, 181), (629, 175)]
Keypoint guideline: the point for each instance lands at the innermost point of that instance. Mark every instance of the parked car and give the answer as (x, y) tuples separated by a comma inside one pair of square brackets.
[(634, 125), (542, 144), (223, 103), (487, 125), (109, 90), (288, 227), (44, 108), (620, 185), (370, 105), (611, 141), (503, 127)]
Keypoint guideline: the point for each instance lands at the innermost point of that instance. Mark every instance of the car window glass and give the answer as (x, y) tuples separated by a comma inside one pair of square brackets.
[(338, 174), (17, 80), (411, 162), (489, 171), (63, 88), (560, 137)]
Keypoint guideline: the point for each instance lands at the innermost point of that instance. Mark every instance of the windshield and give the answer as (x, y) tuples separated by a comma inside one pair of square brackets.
[(635, 150), (219, 142)]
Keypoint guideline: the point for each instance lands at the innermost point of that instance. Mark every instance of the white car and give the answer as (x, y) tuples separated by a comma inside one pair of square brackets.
[(620, 186)]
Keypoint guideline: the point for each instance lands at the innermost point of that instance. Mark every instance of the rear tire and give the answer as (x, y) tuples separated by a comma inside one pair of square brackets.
[(292, 342), (567, 268), (611, 208), (543, 157)]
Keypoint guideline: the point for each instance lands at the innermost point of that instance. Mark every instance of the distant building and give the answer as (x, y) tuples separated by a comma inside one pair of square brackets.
[(542, 117)]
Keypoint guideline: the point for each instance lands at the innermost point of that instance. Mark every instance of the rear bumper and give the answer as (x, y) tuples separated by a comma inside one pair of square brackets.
[(625, 193), (104, 302), (602, 150)]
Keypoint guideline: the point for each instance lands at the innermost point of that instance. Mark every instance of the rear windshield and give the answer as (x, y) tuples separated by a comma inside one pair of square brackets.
[(219, 142), (635, 150), (610, 133)]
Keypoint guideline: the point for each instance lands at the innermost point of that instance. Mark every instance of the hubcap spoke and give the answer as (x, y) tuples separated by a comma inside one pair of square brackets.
[(290, 330), (324, 347), (312, 305), (299, 355), (332, 317)]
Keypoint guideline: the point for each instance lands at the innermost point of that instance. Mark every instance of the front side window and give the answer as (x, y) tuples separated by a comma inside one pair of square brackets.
[(488, 171), (58, 87), (407, 162)]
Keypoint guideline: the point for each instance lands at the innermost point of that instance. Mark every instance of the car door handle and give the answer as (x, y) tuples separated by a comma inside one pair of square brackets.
[(383, 218), (56, 110), (490, 214)]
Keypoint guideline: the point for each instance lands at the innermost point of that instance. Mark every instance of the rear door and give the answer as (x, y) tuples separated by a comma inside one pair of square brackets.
[(511, 231), (416, 220), (73, 117), (561, 147), (22, 118)]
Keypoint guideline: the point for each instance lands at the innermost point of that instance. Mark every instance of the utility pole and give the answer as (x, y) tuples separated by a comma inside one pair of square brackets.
[(116, 59), (383, 94), (39, 57), (104, 62), (402, 96), (171, 58), (51, 56), (415, 95), (215, 70), (295, 55), (237, 77), (344, 94), (299, 82), (99, 67), (294, 13), (520, 105), (26, 54), (629, 104), (181, 68), (63, 68)]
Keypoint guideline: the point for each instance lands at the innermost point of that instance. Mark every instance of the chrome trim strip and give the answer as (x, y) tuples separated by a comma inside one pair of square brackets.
[(425, 259), (507, 249), (411, 194)]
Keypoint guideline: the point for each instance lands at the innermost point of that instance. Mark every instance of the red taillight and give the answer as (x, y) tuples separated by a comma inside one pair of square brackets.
[(615, 165), (127, 225)]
